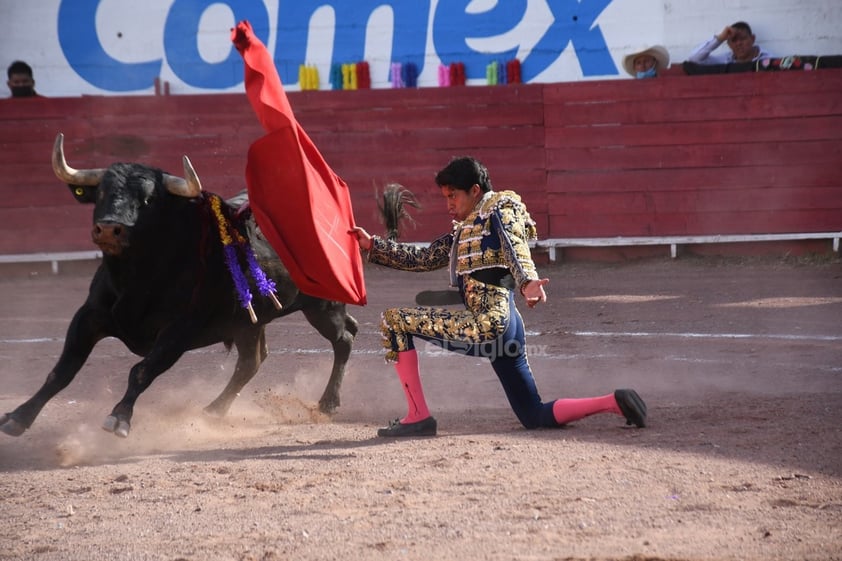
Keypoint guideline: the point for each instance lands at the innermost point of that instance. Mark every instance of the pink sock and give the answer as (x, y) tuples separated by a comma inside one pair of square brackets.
[(407, 369), (569, 410)]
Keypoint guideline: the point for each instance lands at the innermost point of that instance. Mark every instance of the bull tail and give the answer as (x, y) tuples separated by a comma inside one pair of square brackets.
[(393, 209)]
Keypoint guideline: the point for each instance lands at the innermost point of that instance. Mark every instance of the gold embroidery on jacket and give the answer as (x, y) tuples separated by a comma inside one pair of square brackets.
[(495, 234), (484, 319), (479, 247)]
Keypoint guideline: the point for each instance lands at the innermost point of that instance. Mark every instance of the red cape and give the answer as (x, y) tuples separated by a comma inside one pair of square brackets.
[(302, 207)]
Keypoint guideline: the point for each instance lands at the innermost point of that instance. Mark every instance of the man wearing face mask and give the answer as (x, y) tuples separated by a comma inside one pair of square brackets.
[(647, 63), (21, 83)]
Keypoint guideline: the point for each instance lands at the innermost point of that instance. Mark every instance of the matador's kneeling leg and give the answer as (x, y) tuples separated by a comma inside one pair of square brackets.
[(417, 421)]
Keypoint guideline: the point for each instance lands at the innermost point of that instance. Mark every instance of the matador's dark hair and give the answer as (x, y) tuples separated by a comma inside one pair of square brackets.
[(463, 172)]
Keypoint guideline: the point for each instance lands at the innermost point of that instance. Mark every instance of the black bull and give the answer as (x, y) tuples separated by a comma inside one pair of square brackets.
[(163, 288)]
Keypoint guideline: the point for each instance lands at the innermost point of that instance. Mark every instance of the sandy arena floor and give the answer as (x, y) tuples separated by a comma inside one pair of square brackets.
[(740, 363)]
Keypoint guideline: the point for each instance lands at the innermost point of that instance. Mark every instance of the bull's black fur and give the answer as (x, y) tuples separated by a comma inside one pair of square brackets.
[(168, 291)]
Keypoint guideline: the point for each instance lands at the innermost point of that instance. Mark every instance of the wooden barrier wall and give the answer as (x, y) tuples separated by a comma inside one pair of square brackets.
[(717, 154), (750, 153)]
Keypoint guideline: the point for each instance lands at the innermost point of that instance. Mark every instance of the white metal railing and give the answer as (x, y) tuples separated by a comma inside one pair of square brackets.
[(550, 244), (674, 241), (53, 258)]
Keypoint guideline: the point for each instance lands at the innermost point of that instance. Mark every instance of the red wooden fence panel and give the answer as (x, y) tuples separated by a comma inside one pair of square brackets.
[(716, 154), (679, 155)]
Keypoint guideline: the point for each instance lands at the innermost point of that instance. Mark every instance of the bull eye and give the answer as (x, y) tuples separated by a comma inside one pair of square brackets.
[(79, 191)]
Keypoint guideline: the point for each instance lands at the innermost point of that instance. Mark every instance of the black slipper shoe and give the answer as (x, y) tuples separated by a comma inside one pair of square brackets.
[(425, 427), (633, 408)]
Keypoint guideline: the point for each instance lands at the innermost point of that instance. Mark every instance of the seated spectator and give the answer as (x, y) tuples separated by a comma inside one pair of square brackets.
[(647, 63), (21, 83), (740, 40)]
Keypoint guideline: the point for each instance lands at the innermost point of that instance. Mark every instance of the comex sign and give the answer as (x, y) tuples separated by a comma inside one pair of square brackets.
[(455, 26)]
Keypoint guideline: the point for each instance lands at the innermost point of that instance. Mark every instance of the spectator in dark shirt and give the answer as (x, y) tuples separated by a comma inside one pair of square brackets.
[(21, 82)]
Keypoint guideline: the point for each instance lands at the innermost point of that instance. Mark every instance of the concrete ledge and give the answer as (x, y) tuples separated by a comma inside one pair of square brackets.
[(674, 241), (53, 258), (550, 244)]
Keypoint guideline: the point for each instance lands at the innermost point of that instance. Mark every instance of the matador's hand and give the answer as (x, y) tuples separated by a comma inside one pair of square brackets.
[(363, 237), (533, 291)]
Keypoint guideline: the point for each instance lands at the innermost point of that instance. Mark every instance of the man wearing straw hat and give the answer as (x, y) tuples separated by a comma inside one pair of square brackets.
[(647, 63)]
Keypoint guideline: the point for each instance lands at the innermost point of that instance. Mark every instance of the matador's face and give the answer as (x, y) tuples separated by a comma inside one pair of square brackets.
[(461, 203)]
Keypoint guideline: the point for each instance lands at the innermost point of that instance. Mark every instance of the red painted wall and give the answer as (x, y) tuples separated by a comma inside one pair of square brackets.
[(715, 154)]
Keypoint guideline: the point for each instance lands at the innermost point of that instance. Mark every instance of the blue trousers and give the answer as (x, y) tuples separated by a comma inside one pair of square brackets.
[(507, 354)]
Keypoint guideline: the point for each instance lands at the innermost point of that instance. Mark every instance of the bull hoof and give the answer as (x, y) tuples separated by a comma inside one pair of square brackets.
[(215, 410), (116, 426), (11, 426), (328, 407)]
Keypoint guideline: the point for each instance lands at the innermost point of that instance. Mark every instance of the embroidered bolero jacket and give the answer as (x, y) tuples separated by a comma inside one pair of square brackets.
[(495, 234)]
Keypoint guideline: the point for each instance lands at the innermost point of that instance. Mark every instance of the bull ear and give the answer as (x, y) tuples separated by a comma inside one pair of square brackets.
[(190, 187), (69, 175), (84, 193)]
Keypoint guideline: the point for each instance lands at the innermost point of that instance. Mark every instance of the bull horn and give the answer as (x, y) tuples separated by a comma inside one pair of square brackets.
[(190, 187), (68, 174)]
